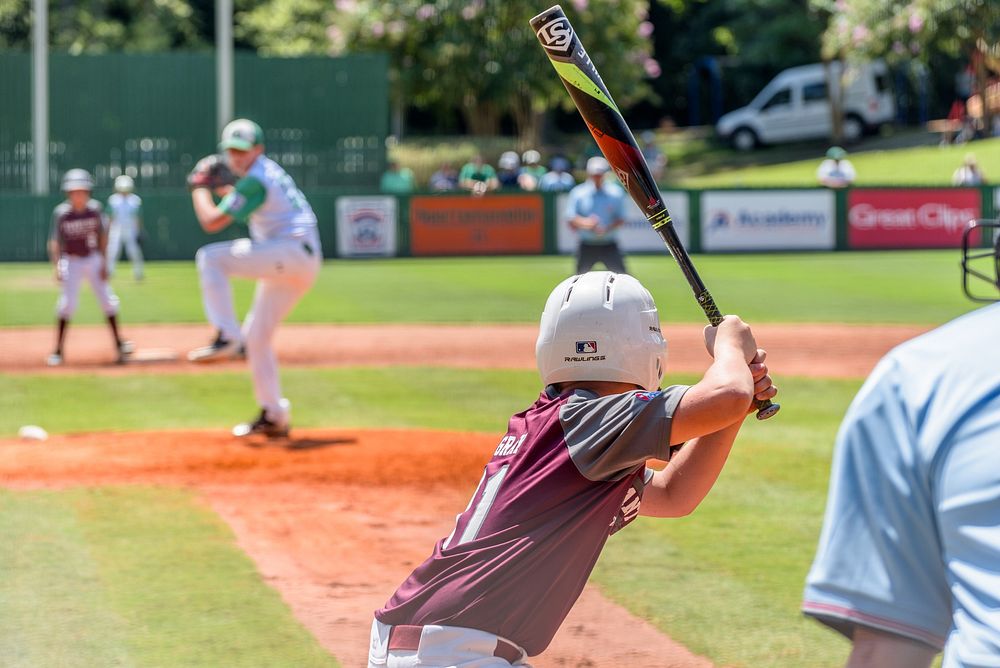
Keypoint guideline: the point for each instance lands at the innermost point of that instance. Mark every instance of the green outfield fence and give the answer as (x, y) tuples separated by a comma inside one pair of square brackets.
[(153, 116)]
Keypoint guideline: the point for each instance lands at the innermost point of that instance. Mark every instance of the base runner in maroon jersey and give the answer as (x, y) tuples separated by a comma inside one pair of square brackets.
[(571, 471), (77, 244)]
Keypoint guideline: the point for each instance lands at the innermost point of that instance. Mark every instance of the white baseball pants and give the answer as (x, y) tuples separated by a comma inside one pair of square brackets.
[(285, 270), (117, 236), (74, 271), (440, 647)]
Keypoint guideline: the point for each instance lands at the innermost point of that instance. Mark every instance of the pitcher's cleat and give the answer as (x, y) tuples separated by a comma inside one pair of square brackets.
[(125, 349), (218, 351), (262, 426)]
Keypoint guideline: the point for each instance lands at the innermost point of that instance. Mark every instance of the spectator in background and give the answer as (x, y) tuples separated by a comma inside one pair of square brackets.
[(477, 177), (532, 170), (558, 178), (596, 209), (969, 174), (836, 171), (397, 180), (655, 158), (445, 179), (508, 168)]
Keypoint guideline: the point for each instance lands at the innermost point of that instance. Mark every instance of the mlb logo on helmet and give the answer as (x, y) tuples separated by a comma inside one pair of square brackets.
[(586, 347)]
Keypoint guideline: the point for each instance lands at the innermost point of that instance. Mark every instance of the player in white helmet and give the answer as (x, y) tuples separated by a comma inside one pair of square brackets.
[(283, 254), (570, 471), (125, 216), (77, 244)]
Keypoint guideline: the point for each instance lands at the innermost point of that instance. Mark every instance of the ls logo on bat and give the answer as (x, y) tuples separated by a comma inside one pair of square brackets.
[(556, 36)]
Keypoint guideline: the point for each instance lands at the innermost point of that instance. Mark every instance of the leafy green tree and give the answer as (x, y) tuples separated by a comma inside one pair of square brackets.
[(477, 56), (95, 26)]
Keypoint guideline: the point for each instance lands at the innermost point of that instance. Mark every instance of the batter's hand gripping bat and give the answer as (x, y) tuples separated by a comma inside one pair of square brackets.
[(616, 142)]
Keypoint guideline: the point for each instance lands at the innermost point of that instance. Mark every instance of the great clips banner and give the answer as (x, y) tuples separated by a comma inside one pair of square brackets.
[(467, 225), (911, 218)]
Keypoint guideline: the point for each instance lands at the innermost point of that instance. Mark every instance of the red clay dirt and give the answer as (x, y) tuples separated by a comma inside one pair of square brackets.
[(336, 519)]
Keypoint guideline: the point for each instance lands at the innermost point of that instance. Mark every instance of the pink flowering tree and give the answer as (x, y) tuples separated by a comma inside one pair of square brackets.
[(478, 58), (903, 30)]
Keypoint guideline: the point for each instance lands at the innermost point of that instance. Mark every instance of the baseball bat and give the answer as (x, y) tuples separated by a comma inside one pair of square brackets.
[(613, 136)]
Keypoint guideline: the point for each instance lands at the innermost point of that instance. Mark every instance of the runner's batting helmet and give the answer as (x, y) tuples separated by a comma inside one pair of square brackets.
[(601, 326), (77, 179), (979, 261), (124, 184)]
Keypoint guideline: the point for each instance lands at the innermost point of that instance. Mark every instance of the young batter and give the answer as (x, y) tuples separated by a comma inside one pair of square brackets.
[(77, 243), (283, 253), (125, 214), (569, 472)]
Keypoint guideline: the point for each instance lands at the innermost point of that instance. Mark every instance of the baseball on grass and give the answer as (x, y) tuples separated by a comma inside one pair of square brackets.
[(32, 432)]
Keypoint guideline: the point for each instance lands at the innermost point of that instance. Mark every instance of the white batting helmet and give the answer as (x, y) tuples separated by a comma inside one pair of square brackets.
[(124, 184), (77, 179), (601, 326)]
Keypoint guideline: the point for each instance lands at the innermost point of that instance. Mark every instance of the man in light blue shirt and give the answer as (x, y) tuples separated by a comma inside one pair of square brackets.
[(908, 562), (596, 209)]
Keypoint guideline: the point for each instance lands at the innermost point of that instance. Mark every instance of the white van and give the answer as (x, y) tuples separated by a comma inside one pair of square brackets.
[(795, 106)]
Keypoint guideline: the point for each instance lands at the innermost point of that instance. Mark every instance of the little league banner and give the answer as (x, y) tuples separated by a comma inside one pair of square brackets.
[(636, 235), (753, 220), (366, 226)]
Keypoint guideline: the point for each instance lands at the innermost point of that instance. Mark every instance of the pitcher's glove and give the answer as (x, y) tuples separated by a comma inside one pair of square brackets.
[(210, 172)]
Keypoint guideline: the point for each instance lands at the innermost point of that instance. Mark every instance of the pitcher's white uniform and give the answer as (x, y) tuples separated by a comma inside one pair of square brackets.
[(124, 210), (283, 253)]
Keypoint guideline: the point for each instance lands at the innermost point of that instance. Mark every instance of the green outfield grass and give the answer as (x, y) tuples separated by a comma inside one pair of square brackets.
[(725, 582), (135, 577), (915, 166), (921, 287)]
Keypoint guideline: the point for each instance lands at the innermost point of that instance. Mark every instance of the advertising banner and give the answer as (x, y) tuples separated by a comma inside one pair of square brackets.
[(635, 236), (366, 226), (910, 218), (466, 225), (773, 220)]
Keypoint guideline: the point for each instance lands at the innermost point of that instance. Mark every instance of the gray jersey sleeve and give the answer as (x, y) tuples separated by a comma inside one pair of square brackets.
[(610, 436)]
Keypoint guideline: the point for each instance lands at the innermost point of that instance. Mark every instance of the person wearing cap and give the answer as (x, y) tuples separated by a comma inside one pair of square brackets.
[(125, 215), (836, 171), (558, 178), (283, 254), (595, 210), (477, 177), (532, 170), (77, 245), (508, 170)]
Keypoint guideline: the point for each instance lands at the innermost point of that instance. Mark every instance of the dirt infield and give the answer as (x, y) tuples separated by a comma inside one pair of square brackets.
[(335, 519), (826, 350)]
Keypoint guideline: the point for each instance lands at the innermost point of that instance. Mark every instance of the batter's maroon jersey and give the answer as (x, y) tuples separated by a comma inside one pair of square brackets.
[(569, 472), (78, 232)]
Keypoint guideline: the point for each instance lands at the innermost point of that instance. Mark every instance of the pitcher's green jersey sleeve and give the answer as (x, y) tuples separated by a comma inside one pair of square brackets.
[(245, 198)]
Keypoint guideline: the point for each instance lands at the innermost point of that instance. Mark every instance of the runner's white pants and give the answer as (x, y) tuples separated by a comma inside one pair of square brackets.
[(118, 235), (74, 271), (285, 270), (440, 647)]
